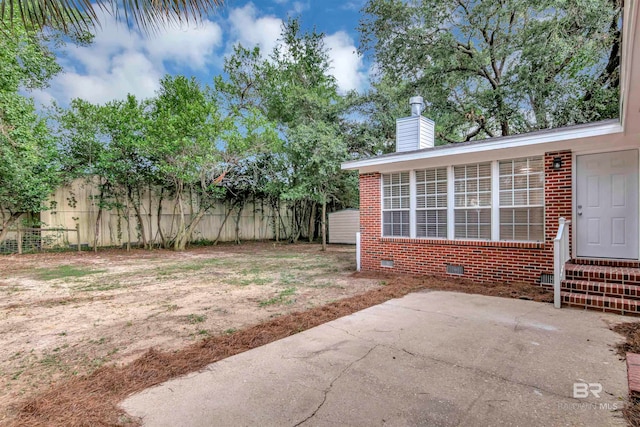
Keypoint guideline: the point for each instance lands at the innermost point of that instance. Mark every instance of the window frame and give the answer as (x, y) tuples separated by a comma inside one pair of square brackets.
[(482, 207), (530, 175), (400, 209), (487, 192), (440, 177)]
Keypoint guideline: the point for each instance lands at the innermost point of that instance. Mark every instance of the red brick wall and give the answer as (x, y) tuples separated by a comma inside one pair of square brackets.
[(482, 261)]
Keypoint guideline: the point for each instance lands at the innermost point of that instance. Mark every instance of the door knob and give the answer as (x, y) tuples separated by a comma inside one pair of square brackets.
[(579, 210)]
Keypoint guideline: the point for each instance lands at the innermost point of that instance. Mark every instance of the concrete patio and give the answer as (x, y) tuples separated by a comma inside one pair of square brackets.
[(431, 358)]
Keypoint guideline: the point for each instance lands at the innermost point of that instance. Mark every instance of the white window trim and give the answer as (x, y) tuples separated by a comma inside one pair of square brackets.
[(495, 201), (495, 205), (411, 207)]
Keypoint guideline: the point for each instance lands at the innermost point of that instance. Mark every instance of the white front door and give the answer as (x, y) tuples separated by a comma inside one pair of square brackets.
[(606, 222)]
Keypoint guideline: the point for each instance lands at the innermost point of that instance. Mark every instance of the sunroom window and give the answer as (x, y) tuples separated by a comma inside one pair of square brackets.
[(431, 203), (396, 204), (472, 212), (521, 199)]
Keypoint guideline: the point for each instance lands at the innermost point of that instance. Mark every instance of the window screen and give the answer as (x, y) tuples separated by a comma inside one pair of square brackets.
[(522, 200), (472, 211), (395, 204), (431, 203)]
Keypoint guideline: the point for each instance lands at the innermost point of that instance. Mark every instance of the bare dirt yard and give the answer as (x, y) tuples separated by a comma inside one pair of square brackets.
[(66, 314), (80, 332)]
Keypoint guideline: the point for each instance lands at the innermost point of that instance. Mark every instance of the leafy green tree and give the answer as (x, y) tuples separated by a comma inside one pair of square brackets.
[(82, 152), (29, 171), (124, 164), (318, 150), (294, 90), (184, 132), (490, 68)]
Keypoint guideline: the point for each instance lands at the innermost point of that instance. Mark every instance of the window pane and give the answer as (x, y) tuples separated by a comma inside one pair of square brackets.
[(522, 224), (506, 198), (535, 197), (505, 183)]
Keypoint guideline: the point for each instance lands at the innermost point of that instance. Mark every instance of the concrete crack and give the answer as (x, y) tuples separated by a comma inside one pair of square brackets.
[(328, 389), (426, 311), (475, 370), (349, 333)]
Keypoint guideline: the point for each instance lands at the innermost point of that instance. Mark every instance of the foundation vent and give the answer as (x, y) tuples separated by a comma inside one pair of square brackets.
[(386, 263), (546, 279), (455, 269)]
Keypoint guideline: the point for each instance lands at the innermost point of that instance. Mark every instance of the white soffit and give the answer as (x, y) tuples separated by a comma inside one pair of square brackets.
[(581, 137)]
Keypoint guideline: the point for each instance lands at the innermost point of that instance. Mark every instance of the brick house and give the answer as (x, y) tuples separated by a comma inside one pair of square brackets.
[(491, 210)]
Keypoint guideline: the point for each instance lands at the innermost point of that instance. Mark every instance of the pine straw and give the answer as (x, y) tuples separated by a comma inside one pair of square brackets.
[(93, 400), (631, 331)]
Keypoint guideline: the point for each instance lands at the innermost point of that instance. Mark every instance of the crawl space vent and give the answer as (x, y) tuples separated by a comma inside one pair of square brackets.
[(455, 269), (546, 279), (386, 263)]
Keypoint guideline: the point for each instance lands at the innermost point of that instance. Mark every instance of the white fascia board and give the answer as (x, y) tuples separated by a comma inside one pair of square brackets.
[(630, 69), (560, 139)]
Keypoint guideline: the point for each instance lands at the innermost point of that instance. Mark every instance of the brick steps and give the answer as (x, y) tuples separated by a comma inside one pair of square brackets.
[(601, 303), (617, 290), (609, 286)]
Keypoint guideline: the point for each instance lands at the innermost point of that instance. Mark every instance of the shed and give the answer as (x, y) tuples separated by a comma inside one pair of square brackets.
[(343, 226)]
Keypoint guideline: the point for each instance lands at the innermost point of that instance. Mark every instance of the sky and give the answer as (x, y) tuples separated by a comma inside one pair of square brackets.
[(122, 60)]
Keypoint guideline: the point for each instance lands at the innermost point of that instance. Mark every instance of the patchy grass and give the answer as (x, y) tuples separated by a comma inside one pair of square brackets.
[(196, 318), (281, 298), (64, 272), (99, 287)]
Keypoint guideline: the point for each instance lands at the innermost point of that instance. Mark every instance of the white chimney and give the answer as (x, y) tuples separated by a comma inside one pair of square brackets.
[(415, 132)]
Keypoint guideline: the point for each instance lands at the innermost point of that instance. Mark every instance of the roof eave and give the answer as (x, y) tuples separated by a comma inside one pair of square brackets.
[(560, 136)]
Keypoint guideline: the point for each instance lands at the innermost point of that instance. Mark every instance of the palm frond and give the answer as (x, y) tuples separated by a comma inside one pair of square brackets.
[(78, 16)]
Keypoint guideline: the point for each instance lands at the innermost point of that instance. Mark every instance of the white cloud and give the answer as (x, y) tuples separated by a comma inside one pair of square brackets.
[(193, 47), (122, 61), (298, 7), (250, 30), (346, 64)]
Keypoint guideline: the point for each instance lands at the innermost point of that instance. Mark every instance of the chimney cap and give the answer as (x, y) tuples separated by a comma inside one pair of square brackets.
[(417, 105)]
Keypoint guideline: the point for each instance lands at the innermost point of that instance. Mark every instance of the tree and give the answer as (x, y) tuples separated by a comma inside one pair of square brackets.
[(184, 132), (124, 163), (28, 170), (490, 68), (76, 17), (318, 150)]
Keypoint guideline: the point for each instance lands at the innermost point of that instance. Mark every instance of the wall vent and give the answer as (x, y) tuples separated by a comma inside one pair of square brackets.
[(455, 269), (386, 263), (546, 279)]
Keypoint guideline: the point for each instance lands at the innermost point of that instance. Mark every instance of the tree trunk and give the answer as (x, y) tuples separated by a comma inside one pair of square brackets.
[(237, 221), (276, 219), (224, 221), (179, 243), (96, 231), (159, 220), (8, 223), (136, 210), (324, 223), (312, 222)]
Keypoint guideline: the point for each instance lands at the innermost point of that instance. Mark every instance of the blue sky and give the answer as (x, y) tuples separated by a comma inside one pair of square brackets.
[(122, 61)]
